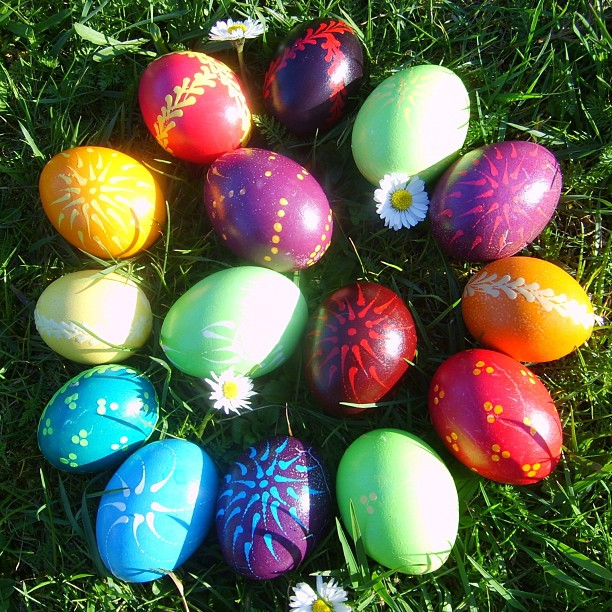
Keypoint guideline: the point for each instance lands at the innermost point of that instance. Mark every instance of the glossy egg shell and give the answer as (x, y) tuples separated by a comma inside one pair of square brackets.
[(495, 200), (102, 201), (528, 308), (273, 507), (97, 419), (246, 317), (312, 76), (356, 347), (268, 209), (405, 500), (194, 106), (496, 416), (156, 510), (93, 316), (415, 122)]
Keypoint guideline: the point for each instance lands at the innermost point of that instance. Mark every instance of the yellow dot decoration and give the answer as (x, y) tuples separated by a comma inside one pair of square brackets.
[(496, 448), (281, 213), (267, 173), (436, 388), (498, 453), (531, 470), (278, 227), (274, 251), (476, 371), (439, 394), (489, 370), (452, 439), (300, 177), (275, 239), (490, 418), (479, 364), (506, 454), (488, 406), (283, 202), (267, 258), (498, 409)]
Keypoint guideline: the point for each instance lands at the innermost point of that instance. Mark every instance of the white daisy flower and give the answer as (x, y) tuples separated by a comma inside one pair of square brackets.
[(327, 598), (230, 392), (236, 30), (401, 200)]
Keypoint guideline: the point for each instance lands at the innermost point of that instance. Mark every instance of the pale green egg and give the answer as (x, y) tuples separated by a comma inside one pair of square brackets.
[(404, 497), (414, 122)]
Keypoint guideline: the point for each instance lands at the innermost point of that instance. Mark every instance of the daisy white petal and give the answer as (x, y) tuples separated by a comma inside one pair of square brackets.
[(401, 201), (230, 392), (328, 597), (236, 30)]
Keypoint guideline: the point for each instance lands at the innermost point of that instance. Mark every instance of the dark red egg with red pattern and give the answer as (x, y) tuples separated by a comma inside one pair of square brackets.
[(357, 347), (496, 416), (313, 75), (194, 106), (268, 209), (495, 200)]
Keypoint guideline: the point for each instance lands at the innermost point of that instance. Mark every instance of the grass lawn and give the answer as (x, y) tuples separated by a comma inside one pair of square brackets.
[(535, 70)]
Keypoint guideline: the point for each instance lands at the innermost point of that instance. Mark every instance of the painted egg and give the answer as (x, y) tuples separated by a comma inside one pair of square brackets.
[(528, 308), (357, 347), (97, 419), (495, 200), (102, 201), (415, 122), (312, 76), (404, 498), (194, 106), (93, 316), (268, 209), (246, 317), (496, 416), (156, 510), (273, 506)]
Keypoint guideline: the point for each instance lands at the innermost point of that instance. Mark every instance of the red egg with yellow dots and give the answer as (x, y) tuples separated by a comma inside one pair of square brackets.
[(194, 106), (268, 209), (357, 348), (496, 417)]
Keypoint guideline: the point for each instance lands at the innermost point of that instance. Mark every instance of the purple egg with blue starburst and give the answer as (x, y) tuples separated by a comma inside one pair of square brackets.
[(156, 510), (274, 505), (268, 209)]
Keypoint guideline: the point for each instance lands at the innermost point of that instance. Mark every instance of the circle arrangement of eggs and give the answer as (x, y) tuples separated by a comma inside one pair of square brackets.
[(413, 122), (404, 498), (357, 347), (312, 76), (102, 201), (273, 506), (93, 317), (156, 510), (529, 308), (247, 317), (495, 200), (194, 106), (495, 416), (97, 419), (268, 209)]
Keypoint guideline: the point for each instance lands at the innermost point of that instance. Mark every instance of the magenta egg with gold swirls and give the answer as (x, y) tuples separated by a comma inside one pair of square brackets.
[(357, 347), (495, 200), (268, 209), (312, 76)]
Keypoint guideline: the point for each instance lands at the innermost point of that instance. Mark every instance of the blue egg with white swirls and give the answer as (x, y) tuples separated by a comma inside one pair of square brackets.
[(273, 507), (156, 510), (97, 419)]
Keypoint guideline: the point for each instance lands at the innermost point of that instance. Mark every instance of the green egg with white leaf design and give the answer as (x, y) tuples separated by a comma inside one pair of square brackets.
[(247, 318), (97, 419), (414, 122)]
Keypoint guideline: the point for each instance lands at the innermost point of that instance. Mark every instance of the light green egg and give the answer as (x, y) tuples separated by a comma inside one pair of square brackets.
[(247, 318), (415, 122), (404, 497)]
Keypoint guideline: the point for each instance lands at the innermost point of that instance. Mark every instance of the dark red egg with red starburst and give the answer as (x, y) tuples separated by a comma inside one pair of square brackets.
[(495, 200), (358, 346), (194, 106), (313, 75), (268, 209), (496, 416)]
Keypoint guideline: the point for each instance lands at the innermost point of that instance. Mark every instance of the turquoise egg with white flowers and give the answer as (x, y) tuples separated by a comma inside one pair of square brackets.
[(414, 122), (97, 419), (156, 510), (247, 318)]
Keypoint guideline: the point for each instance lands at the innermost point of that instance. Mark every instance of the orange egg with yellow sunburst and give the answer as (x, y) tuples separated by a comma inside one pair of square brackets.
[(102, 201)]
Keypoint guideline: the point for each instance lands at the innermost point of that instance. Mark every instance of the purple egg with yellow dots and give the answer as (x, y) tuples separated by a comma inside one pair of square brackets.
[(268, 209), (495, 200)]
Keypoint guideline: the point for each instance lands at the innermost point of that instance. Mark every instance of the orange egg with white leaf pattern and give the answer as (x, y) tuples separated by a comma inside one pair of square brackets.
[(102, 201), (528, 308)]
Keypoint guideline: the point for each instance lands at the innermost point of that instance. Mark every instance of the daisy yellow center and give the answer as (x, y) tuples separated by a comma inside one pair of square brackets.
[(230, 390), (236, 26), (320, 606), (401, 199)]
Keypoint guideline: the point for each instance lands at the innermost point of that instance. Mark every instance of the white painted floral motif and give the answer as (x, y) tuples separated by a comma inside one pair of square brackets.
[(494, 285)]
